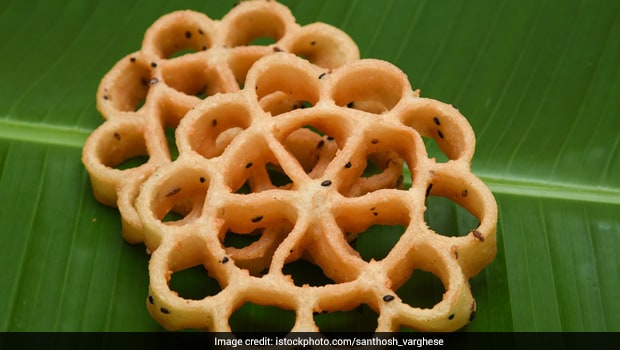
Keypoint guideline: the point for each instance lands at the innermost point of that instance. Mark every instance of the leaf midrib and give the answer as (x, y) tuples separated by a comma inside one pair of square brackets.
[(43, 133), (504, 185)]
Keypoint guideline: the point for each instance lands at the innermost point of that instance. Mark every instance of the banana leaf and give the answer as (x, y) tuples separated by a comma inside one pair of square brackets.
[(538, 81)]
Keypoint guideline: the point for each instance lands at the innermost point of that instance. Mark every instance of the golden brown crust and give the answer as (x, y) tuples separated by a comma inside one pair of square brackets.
[(300, 155), (311, 218)]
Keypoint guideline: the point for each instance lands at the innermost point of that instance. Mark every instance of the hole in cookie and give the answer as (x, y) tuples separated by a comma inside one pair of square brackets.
[(214, 130), (180, 196), (188, 270), (434, 151), (132, 162), (252, 317), (277, 176), (253, 250), (193, 77), (173, 216), (312, 149), (269, 176), (279, 102), (182, 52), (447, 134), (377, 240), (127, 93), (378, 162), (263, 41), (422, 290), (261, 177), (370, 87), (280, 87), (375, 225), (360, 319), (448, 218), (379, 170), (383, 164), (259, 169), (252, 228), (304, 272), (194, 283), (238, 241), (255, 167), (179, 33), (260, 24), (452, 205), (314, 140), (240, 61), (123, 146), (172, 145), (323, 45)]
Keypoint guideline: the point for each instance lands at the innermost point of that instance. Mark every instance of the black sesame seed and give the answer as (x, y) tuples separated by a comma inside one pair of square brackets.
[(257, 219), (322, 75), (173, 192), (350, 104), (313, 43), (202, 180), (201, 32), (320, 144), (117, 136), (326, 183), (277, 49), (451, 316), (374, 141), (151, 300), (249, 165), (330, 138), (224, 260), (188, 34), (153, 64), (214, 122), (348, 165), (132, 59), (428, 189), (375, 213), (464, 193), (440, 133), (436, 120), (388, 298), (164, 310), (105, 97), (478, 235), (204, 47), (144, 81)]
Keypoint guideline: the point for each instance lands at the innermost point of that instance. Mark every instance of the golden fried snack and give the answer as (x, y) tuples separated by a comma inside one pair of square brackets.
[(363, 108), (185, 57)]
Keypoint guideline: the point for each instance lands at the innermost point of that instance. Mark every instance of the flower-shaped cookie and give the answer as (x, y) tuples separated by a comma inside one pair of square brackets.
[(314, 213)]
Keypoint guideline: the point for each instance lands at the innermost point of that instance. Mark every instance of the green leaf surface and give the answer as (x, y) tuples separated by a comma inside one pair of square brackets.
[(538, 81)]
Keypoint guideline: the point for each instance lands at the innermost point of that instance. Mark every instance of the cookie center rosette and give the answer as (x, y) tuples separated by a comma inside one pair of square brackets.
[(232, 146)]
